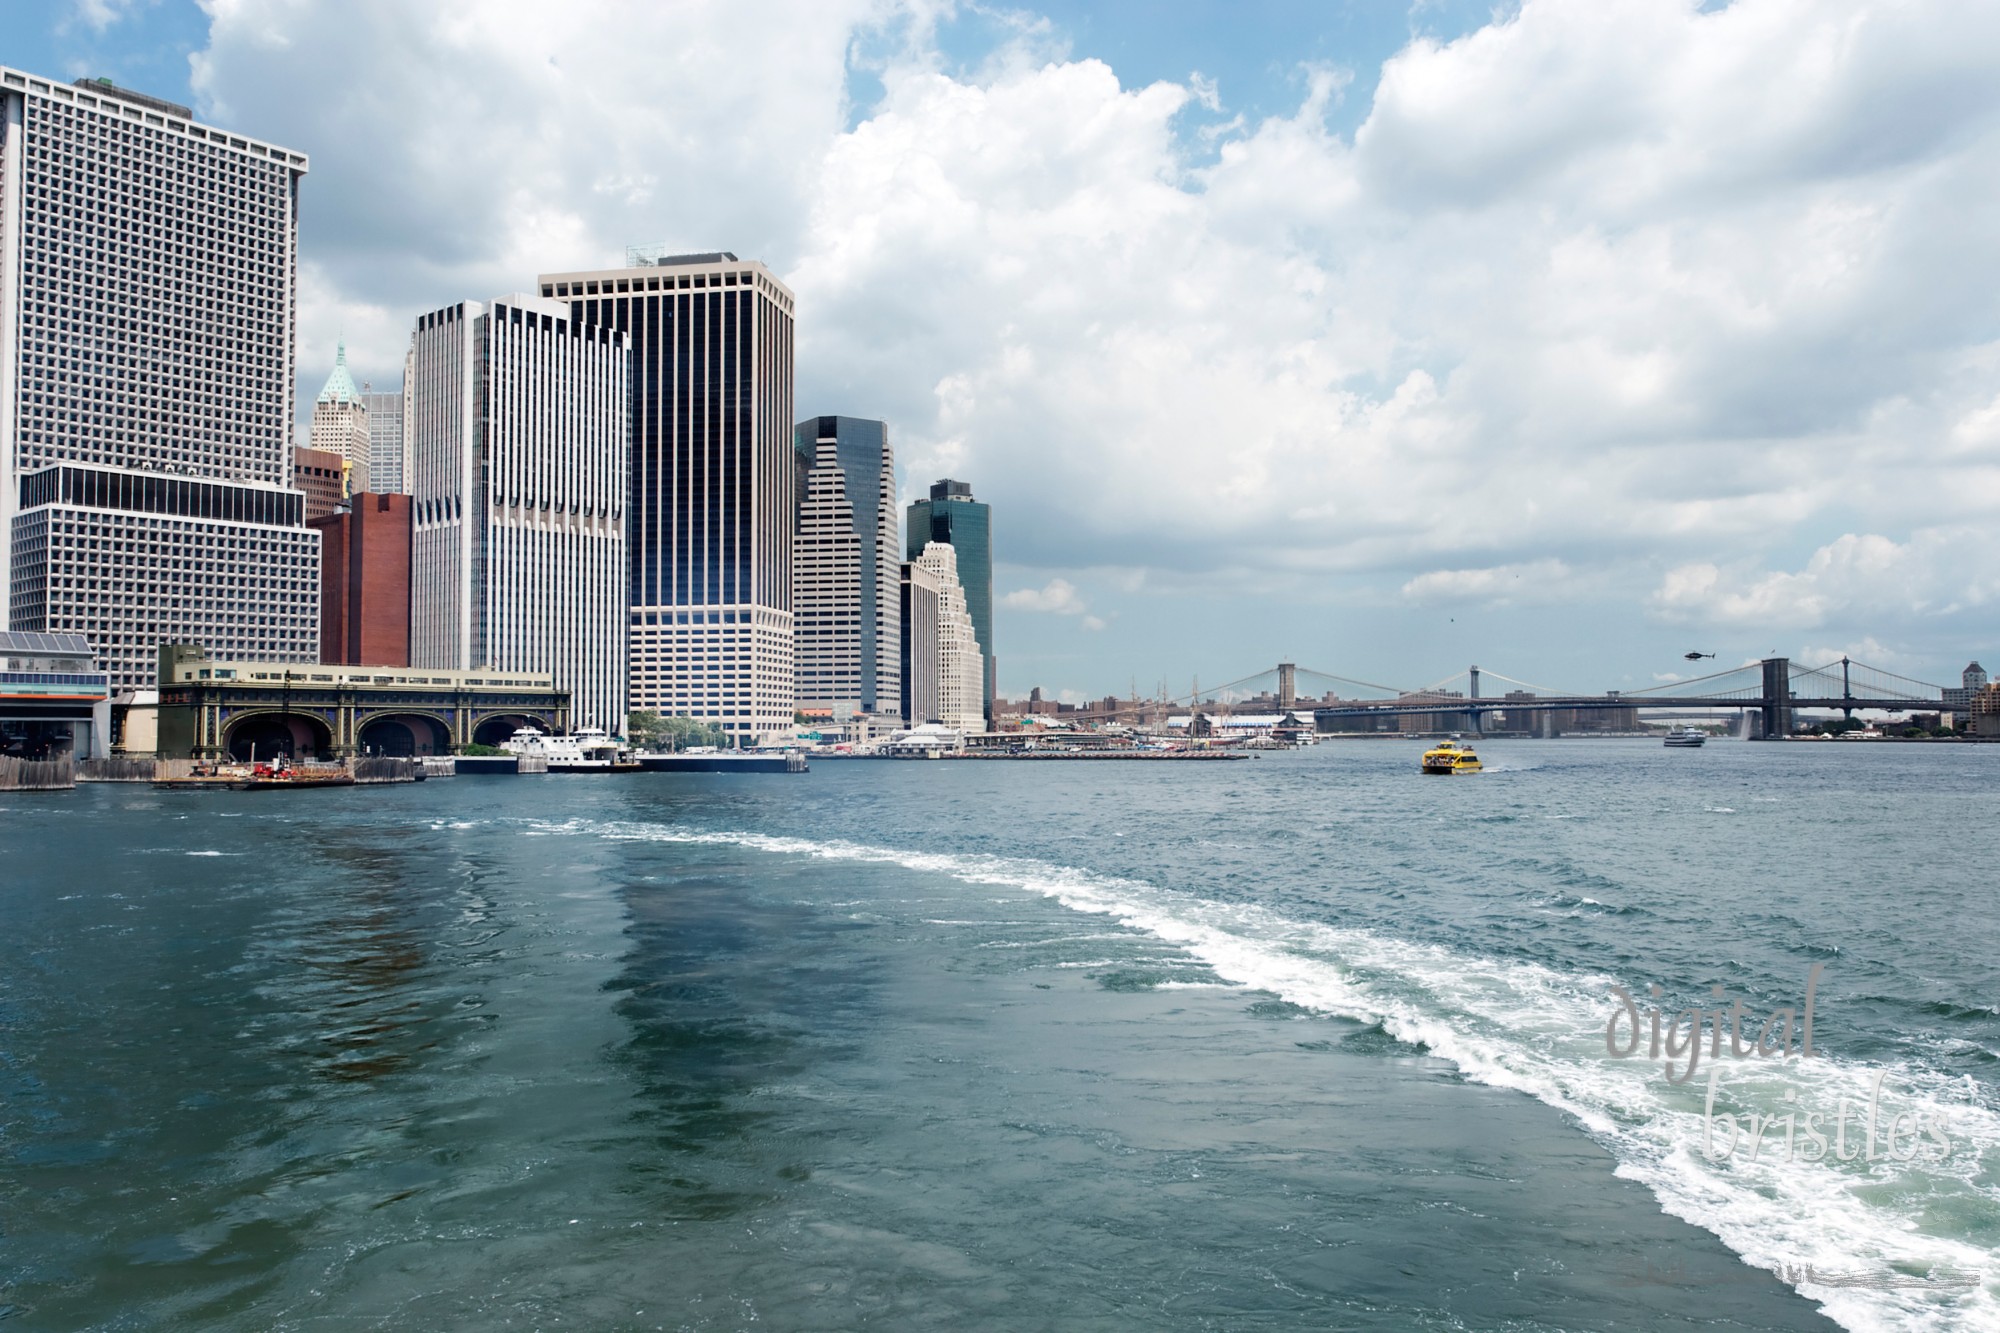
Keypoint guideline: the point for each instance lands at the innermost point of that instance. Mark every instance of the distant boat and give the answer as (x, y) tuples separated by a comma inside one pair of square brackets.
[(1685, 738), (1446, 757)]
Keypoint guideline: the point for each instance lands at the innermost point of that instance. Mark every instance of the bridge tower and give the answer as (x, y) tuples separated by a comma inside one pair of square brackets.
[(1777, 710), (1288, 686), (1478, 727)]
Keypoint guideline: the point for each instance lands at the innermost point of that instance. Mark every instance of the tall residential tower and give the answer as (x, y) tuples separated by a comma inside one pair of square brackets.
[(845, 608), (517, 496), (709, 583), (148, 279)]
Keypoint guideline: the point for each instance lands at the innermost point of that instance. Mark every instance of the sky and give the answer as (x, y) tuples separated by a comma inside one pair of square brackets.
[(1563, 337)]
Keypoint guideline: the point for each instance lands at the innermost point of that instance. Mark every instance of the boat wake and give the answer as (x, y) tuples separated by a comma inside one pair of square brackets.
[(1857, 1236)]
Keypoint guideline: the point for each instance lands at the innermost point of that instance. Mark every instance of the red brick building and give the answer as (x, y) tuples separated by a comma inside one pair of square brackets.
[(322, 475), (364, 582)]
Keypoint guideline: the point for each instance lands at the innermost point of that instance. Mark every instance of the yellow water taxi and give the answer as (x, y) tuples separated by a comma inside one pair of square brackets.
[(1447, 757)]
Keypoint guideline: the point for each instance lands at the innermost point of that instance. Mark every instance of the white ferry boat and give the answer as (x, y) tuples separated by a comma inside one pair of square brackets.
[(1685, 738), (586, 750)]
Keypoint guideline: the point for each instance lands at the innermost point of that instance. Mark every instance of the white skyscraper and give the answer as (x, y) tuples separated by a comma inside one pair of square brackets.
[(340, 423), (710, 583), (520, 422), (943, 668), (847, 618), (147, 286)]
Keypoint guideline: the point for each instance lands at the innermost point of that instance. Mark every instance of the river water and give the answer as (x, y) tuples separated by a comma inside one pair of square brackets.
[(1304, 1041)]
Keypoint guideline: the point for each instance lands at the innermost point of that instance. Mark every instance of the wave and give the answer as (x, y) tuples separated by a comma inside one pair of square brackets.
[(1522, 1026)]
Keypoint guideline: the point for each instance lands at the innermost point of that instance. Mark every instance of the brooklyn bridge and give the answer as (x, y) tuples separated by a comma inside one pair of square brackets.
[(1770, 692)]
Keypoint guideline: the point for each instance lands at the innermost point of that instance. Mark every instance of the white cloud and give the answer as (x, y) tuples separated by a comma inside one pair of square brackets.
[(102, 15), (460, 149), (1595, 279), (1867, 649), (1057, 595), (1855, 578), (1501, 585)]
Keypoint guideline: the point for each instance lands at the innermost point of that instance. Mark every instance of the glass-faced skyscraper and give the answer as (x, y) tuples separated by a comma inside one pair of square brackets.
[(952, 516), (845, 566), (148, 280), (713, 483)]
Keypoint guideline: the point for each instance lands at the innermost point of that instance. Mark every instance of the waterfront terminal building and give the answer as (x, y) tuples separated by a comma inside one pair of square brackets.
[(211, 709), (148, 277), (53, 699)]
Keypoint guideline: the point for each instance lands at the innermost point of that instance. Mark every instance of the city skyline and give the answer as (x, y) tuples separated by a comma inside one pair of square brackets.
[(1690, 374)]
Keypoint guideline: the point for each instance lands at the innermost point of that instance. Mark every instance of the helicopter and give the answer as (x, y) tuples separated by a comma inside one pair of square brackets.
[(1696, 657)]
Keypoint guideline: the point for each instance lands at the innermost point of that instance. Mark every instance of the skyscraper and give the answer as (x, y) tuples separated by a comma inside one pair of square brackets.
[(1971, 683), (340, 424), (385, 440), (147, 284), (846, 615), (710, 577), (953, 517), (521, 418), (942, 666)]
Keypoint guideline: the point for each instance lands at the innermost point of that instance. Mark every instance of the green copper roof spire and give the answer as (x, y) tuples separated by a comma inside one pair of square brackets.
[(340, 385)]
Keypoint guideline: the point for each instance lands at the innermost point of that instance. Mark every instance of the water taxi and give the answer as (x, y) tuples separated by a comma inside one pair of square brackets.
[(1447, 757), (1685, 738)]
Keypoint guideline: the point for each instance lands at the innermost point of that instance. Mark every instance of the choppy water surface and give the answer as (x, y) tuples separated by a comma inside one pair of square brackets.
[(1304, 1041)]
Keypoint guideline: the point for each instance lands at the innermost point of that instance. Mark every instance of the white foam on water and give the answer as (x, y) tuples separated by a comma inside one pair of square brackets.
[(1845, 1234)]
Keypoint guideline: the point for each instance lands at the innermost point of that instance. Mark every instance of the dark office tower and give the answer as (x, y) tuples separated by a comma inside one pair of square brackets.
[(147, 281), (845, 567), (713, 482), (951, 515)]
